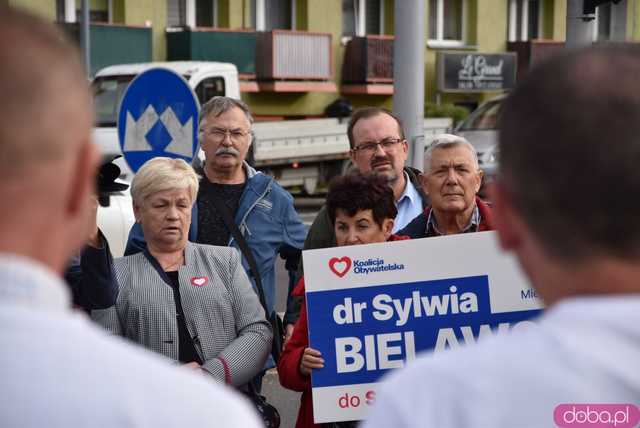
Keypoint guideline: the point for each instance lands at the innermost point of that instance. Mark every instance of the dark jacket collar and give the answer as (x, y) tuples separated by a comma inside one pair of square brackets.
[(418, 226), (414, 176)]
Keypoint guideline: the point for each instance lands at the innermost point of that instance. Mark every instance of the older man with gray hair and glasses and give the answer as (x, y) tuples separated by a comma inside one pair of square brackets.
[(451, 179)]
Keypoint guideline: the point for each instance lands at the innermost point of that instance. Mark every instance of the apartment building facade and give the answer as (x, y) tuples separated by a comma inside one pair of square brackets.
[(296, 57)]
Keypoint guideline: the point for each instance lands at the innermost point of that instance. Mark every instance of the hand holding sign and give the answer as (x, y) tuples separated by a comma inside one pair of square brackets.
[(311, 359)]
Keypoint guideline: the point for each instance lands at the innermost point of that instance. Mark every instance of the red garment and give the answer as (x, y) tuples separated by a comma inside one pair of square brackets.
[(398, 238), (289, 364), (486, 216)]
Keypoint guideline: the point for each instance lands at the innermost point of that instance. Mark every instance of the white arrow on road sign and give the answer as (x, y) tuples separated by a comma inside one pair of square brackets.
[(158, 116), (181, 143), (135, 133)]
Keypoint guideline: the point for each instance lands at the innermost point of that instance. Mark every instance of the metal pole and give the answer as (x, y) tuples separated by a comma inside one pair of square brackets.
[(85, 42), (579, 25), (408, 75)]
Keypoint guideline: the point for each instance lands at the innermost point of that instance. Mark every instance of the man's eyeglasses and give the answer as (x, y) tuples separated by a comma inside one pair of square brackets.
[(218, 135), (370, 147)]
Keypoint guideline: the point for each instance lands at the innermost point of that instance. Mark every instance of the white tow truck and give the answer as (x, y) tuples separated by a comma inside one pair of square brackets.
[(308, 153), (304, 154)]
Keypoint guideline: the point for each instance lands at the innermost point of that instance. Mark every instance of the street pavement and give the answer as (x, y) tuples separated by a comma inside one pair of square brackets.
[(285, 400)]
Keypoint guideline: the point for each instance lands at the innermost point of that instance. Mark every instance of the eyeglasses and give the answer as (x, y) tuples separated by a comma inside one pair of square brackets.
[(218, 135), (370, 147)]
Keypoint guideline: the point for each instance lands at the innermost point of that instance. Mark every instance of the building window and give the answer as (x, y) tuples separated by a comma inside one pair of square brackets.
[(525, 20), (192, 13), (602, 27), (176, 13), (66, 11), (60, 11), (362, 17), (209, 88), (95, 15), (447, 22), (611, 22), (206, 13), (277, 16)]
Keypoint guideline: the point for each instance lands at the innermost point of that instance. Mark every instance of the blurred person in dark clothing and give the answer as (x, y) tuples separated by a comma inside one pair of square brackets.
[(565, 205), (90, 273)]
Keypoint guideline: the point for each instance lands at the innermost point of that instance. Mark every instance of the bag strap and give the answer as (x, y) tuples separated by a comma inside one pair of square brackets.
[(244, 247)]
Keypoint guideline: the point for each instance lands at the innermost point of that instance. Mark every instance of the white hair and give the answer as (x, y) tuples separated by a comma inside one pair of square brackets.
[(160, 174), (447, 141)]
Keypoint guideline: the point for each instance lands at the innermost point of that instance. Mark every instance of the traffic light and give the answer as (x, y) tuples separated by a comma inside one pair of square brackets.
[(589, 6)]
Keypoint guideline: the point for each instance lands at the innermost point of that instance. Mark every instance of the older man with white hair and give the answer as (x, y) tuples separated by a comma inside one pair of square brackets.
[(452, 180)]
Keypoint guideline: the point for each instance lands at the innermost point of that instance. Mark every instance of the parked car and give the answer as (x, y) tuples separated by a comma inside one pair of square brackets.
[(480, 128)]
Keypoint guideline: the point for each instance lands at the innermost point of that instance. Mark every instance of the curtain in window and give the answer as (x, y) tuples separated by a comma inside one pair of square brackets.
[(278, 14), (176, 13), (204, 13), (372, 16), (533, 19), (452, 19), (349, 17), (433, 19), (604, 21)]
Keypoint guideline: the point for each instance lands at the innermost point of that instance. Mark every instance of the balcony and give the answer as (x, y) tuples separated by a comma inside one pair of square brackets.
[(294, 61), (274, 61), (532, 51), (107, 41), (368, 66), (207, 44)]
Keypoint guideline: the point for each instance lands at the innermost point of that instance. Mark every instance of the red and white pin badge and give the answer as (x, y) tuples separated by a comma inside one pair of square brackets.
[(199, 281)]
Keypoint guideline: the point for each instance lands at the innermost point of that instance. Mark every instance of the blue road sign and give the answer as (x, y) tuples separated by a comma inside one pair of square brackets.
[(158, 117)]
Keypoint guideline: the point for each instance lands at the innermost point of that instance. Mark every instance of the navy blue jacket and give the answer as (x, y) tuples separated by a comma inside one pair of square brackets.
[(91, 277), (417, 228)]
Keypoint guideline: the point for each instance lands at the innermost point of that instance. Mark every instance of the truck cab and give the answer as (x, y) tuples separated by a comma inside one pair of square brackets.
[(208, 79)]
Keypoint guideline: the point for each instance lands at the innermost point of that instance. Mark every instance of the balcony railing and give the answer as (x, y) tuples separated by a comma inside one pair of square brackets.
[(368, 60), (532, 51), (235, 46), (294, 55), (108, 42)]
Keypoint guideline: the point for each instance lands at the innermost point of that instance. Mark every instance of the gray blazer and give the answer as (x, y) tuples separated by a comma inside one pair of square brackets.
[(222, 311)]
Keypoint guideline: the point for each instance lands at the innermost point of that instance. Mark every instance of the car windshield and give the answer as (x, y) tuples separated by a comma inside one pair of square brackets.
[(107, 93), (485, 117)]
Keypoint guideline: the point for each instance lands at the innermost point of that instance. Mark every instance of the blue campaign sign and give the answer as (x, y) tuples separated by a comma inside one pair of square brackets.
[(370, 308), (365, 332), (158, 117)]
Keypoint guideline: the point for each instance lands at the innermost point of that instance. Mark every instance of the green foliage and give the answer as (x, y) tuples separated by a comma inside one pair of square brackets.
[(457, 113)]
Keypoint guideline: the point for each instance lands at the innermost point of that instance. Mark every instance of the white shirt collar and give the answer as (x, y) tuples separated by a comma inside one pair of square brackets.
[(25, 282), (409, 190)]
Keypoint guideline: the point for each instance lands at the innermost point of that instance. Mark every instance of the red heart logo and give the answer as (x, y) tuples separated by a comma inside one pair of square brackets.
[(199, 281), (340, 266)]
